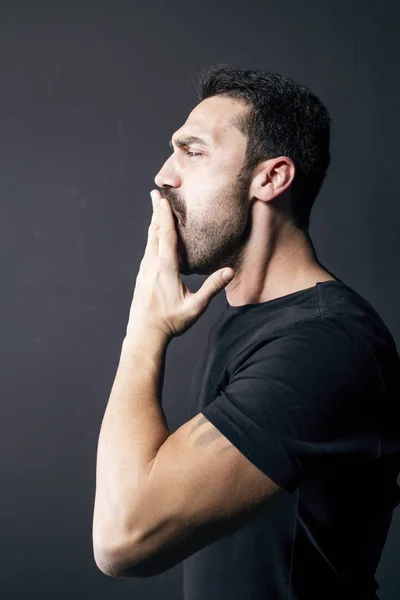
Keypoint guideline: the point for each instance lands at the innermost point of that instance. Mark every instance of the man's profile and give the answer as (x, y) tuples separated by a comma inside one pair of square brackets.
[(283, 483)]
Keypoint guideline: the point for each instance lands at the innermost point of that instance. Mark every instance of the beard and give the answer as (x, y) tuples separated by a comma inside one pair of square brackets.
[(218, 236)]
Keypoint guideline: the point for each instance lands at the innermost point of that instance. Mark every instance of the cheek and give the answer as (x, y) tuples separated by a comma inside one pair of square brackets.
[(205, 189)]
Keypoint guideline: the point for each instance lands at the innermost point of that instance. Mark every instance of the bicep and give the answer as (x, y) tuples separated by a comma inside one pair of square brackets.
[(200, 487)]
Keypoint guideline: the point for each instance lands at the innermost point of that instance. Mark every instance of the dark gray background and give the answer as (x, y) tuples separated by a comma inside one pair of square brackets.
[(90, 93)]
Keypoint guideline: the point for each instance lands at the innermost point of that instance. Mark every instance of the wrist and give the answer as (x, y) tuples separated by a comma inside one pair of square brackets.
[(144, 341)]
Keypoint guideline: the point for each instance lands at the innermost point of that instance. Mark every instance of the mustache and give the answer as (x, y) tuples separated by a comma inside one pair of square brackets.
[(171, 199)]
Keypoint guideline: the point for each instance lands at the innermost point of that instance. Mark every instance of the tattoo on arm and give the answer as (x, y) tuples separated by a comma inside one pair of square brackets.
[(209, 434)]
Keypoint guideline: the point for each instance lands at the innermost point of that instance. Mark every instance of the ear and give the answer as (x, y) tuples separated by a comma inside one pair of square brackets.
[(273, 177)]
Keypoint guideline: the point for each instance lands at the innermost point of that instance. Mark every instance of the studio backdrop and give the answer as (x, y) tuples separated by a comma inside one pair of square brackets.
[(91, 93)]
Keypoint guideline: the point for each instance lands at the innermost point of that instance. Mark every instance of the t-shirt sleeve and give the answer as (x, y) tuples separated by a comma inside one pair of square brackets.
[(305, 398)]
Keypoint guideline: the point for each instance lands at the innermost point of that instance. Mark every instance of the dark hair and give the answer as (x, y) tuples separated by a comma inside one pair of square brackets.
[(285, 119)]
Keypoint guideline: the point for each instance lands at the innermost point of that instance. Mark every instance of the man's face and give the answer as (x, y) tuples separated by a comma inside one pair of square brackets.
[(205, 186)]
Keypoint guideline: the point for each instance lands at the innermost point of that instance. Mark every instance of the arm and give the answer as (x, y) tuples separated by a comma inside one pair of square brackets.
[(133, 429), (181, 492)]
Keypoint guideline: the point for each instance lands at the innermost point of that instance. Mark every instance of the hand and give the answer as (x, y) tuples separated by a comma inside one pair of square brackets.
[(161, 302)]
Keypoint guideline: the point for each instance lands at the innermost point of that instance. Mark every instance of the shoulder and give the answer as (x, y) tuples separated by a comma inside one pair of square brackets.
[(318, 357)]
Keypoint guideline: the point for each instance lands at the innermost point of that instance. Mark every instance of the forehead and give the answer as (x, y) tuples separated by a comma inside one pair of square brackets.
[(211, 119)]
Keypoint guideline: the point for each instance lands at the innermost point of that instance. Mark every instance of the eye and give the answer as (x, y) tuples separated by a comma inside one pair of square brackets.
[(193, 153)]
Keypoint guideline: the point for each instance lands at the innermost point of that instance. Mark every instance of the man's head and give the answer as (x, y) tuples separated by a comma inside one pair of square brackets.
[(263, 137)]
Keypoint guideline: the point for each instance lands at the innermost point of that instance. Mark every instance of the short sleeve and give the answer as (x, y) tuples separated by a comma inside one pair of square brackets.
[(305, 398)]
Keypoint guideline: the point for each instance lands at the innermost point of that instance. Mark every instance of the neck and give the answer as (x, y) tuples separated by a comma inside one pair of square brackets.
[(288, 264)]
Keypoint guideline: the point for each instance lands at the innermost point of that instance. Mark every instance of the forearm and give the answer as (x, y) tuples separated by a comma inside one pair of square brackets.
[(132, 431)]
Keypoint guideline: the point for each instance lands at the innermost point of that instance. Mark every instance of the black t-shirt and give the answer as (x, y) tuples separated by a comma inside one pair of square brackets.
[(306, 386)]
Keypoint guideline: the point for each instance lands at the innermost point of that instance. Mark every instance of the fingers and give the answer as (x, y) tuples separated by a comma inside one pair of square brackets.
[(162, 237), (167, 237)]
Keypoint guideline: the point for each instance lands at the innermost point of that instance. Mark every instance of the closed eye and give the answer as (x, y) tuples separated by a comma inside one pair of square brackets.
[(193, 153)]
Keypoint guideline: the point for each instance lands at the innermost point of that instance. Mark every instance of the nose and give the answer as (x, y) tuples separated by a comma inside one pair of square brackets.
[(167, 175)]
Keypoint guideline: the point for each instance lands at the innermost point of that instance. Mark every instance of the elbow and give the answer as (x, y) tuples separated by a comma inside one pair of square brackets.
[(104, 559), (114, 561), (105, 565), (112, 567), (110, 564), (103, 553)]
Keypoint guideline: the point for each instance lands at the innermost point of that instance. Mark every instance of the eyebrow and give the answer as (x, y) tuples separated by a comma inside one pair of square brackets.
[(185, 141)]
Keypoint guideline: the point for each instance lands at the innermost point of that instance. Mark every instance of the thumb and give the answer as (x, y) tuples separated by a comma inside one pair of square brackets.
[(212, 286)]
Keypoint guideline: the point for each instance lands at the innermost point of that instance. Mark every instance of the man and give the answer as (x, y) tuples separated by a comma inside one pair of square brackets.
[(283, 483)]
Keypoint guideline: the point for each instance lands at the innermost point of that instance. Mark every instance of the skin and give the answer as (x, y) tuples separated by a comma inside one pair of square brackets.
[(229, 217)]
